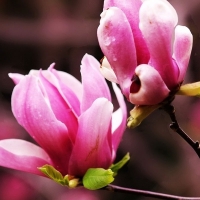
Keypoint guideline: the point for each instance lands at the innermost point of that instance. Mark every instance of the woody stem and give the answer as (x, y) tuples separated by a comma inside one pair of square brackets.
[(175, 127)]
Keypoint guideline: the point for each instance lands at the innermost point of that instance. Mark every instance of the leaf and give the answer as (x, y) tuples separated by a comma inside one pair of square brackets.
[(54, 174), (115, 167), (96, 178), (66, 179), (139, 113), (191, 89)]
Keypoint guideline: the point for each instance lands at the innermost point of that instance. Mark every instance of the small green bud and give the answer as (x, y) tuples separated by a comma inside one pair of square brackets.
[(56, 176), (139, 113), (73, 183), (191, 89)]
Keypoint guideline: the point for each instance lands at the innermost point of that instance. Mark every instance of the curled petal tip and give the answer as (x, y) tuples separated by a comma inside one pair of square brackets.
[(52, 66), (149, 93), (16, 77)]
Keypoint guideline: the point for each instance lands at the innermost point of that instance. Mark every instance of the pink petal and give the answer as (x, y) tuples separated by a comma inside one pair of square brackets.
[(152, 90), (22, 155), (91, 148), (94, 84), (117, 43), (131, 10), (70, 87), (182, 49), (71, 82), (15, 77), (157, 21), (119, 120), (32, 110), (61, 109), (70, 96)]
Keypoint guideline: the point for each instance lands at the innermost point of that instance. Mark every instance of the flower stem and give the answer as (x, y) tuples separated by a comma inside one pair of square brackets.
[(146, 193), (175, 127)]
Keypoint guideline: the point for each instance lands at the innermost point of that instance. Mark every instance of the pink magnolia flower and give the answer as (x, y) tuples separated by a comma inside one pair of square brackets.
[(146, 52), (73, 123)]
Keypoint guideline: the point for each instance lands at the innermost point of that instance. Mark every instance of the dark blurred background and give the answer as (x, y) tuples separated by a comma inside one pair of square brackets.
[(33, 34)]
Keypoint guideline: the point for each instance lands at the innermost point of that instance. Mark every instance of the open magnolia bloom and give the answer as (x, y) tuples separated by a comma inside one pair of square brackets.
[(73, 123), (146, 53)]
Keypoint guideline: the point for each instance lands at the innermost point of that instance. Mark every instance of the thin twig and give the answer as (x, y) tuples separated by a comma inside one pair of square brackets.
[(146, 193), (175, 127), (195, 145)]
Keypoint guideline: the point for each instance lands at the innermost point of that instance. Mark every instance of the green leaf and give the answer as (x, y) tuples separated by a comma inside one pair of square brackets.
[(66, 179), (54, 174), (96, 178), (191, 89), (115, 167)]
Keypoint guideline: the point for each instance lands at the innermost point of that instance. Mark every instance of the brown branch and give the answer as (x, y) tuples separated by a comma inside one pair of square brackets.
[(146, 193), (175, 127)]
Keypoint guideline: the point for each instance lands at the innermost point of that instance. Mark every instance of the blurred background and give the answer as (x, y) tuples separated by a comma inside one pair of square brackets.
[(34, 34)]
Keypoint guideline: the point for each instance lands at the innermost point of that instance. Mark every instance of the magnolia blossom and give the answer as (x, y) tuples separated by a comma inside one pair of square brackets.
[(146, 52), (73, 123)]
